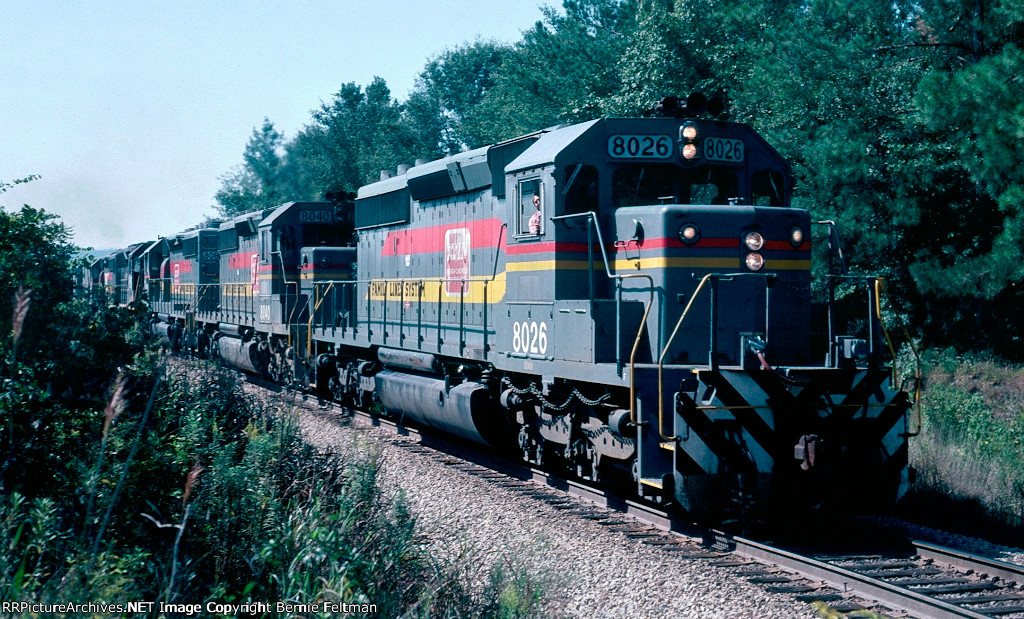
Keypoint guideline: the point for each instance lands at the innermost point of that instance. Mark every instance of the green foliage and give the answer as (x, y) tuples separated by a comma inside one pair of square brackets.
[(516, 593), (28, 537), (447, 97), (354, 137), (181, 488), (269, 176), (563, 68), (28, 179), (659, 60), (824, 610), (971, 445), (35, 254), (123, 480)]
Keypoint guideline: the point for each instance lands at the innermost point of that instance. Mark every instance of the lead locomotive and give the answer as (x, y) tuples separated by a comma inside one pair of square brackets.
[(629, 298)]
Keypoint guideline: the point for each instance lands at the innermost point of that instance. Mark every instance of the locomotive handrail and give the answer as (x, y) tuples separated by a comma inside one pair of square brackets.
[(312, 315), (876, 327), (201, 291), (592, 216), (421, 283), (661, 358), (632, 359), (713, 362), (497, 252), (876, 288), (440, 295), (137, 289), (331, 284), (880, 289), (592, 219), (494, 276), (834, 242), (284, 278)]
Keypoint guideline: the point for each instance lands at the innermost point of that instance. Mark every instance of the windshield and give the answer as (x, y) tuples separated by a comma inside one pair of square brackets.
[(639, 184)]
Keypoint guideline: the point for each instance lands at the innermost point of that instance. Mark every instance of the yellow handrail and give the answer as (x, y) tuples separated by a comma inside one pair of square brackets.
[(312, 314), (661, 359), (879, 289), (636, 345)]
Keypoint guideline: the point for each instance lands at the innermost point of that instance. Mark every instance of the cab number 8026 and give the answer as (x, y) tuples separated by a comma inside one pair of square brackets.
[(530, 337), (639, 146)]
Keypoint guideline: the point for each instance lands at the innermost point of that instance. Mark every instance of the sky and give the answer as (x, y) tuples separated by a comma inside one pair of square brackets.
[(131, 111)]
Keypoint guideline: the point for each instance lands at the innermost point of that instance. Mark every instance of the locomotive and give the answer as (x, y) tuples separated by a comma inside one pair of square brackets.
[(628, 299)]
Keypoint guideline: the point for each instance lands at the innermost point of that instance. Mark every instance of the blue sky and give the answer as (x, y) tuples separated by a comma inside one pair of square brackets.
[(131, 111)]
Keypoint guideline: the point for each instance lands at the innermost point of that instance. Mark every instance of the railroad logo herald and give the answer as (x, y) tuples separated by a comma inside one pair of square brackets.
[(456, 261)]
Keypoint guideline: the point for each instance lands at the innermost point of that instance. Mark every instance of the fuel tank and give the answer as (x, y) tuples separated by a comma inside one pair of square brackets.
[(460, 410), (169, 333), (242, 355)]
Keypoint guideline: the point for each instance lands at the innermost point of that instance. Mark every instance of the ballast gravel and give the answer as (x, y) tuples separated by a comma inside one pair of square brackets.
[(587, 569)]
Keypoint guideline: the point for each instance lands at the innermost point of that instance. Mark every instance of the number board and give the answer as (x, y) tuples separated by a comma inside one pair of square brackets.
[(723, 149), (639, 146), (316, 217)]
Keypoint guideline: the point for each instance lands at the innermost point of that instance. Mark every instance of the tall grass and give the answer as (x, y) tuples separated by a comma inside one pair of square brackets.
[(970, 454)]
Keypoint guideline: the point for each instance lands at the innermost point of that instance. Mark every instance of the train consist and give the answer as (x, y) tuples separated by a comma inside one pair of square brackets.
[(629, 299)]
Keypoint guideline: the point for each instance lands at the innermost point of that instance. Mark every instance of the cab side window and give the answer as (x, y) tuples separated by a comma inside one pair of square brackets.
[(285, 239), (531, 208), (265, 246)]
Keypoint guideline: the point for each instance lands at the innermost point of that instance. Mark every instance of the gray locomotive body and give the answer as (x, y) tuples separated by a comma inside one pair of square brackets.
[(629, 299), (654, 326)]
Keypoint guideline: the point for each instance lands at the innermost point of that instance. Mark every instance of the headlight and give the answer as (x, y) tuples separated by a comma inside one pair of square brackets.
[(689, 234), (754, 241), (755, 261), (688, 131), (796, 237), (689, 151)]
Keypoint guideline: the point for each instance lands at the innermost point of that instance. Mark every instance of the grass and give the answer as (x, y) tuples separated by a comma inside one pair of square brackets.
[(970, 454)]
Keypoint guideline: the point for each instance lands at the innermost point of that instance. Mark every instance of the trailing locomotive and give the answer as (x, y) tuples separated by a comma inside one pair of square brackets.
[(629, 298)]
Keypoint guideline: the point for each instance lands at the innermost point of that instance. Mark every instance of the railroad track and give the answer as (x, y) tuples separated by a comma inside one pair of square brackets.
[(927, 582), (934, 582)]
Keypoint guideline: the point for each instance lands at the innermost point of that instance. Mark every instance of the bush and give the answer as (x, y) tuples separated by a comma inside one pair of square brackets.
[(183, 489)]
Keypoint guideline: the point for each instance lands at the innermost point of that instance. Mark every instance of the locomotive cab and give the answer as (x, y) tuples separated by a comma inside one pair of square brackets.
[(281, 237), (669, 259), (150, 261)]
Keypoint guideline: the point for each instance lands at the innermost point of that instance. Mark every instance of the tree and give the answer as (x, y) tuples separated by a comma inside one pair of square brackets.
[(28, 179), (353, 137), (662, 58), (972, 102), (561, 71), (831, 86), (35, 255), (268, 177), (448, 94)]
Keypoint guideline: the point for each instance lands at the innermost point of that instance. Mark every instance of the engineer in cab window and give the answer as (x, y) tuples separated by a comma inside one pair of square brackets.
[(535, 218)]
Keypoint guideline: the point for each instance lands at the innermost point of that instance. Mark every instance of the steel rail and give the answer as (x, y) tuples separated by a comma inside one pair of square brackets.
[(848, 581), (965, 561)]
